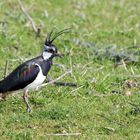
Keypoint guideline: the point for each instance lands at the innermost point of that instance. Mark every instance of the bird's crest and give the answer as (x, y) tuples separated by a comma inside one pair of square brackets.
[(50, 37)]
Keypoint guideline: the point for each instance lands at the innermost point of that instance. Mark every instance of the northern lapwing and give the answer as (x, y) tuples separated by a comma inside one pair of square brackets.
[(32, 73)]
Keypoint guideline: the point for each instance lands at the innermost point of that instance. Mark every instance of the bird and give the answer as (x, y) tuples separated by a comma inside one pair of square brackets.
[(32, 73)]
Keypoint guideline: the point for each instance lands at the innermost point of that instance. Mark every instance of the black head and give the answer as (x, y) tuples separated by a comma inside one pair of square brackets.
[(50, 50)]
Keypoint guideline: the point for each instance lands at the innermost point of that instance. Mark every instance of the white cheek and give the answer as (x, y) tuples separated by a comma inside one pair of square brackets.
[(47, 47), (47, 55)]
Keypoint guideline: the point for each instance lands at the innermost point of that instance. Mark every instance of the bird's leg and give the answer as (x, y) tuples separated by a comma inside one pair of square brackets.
[(25, 97)]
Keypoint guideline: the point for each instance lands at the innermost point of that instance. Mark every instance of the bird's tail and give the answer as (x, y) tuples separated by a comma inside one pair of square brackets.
[(2, 91), (3, 86)]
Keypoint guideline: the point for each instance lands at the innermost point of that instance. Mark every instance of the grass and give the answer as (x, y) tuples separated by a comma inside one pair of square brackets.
[(99, 108)]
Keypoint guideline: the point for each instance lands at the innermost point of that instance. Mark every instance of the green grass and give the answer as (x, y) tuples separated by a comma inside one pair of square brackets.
[(98, 108)]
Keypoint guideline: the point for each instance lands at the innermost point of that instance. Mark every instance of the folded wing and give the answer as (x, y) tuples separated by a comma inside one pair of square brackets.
[(20, 77)]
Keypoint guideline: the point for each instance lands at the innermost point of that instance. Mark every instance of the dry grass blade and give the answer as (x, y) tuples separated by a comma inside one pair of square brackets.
[(6, 68), (64, 134), (28, 16), (60, 77)]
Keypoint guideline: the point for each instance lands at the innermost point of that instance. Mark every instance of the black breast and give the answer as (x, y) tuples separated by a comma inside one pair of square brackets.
[(45, 66)]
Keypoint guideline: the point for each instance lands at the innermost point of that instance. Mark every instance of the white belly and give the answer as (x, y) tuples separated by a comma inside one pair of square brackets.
[(37, 82)]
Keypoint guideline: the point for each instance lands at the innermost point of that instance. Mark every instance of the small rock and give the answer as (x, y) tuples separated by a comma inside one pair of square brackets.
[(128, 93)]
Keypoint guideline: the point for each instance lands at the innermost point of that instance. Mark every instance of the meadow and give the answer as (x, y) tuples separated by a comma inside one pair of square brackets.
[(101, 51)]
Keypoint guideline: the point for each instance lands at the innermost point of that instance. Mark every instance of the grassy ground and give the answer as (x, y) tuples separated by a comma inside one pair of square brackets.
[(105, 34)]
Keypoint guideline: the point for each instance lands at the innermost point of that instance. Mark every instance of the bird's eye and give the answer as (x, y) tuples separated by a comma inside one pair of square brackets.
[(51, 50)]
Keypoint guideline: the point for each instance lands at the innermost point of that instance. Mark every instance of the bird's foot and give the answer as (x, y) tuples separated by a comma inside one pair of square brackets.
[(28, 109)]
